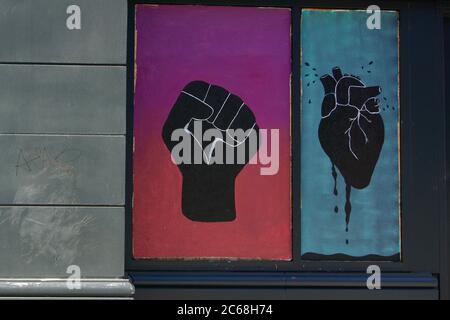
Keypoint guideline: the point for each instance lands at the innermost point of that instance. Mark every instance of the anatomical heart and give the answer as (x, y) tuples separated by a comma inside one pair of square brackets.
[(350, 137), (351, 130)]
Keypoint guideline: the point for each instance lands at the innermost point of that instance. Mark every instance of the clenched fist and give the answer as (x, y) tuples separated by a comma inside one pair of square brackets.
[(223, 136)]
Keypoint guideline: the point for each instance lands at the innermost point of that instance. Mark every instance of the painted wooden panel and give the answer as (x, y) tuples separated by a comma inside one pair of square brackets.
[(233, 63), (37, 31), (67, 170), (39, 242), (350, 186), (62, 99)]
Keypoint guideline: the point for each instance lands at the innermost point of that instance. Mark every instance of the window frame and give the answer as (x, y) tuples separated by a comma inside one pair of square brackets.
[(420, 248)]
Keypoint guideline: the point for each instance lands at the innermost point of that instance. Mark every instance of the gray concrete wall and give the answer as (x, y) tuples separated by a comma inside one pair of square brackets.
[(62, 139), (35, 31)]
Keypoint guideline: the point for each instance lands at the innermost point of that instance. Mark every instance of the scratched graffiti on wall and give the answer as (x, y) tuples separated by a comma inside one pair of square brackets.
[(46, 175)]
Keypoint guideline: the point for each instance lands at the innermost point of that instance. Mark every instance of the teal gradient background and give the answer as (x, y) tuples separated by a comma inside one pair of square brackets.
[(341, 38)]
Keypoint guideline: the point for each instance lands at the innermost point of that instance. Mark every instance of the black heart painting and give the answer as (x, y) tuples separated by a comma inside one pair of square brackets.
[(351, 130)]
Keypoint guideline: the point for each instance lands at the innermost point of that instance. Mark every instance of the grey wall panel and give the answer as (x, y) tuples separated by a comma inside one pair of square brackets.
[(68, 170), (36, 31), (62, 99), (39, 242)]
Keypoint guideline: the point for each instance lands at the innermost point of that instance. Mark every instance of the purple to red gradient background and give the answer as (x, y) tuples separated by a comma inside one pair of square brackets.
[(247, 51)]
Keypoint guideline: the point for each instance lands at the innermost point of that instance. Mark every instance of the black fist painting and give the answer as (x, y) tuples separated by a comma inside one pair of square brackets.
[(223, 136), (351, 130)]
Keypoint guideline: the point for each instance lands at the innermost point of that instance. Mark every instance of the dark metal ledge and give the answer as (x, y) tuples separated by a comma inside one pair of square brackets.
[(280, 280), (281, 286)]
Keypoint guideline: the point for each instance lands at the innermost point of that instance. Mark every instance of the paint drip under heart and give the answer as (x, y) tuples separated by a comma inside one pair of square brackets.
[(351, 131)]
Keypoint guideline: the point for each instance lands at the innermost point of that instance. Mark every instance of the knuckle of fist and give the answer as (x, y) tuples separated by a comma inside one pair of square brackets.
[(216, 105)]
